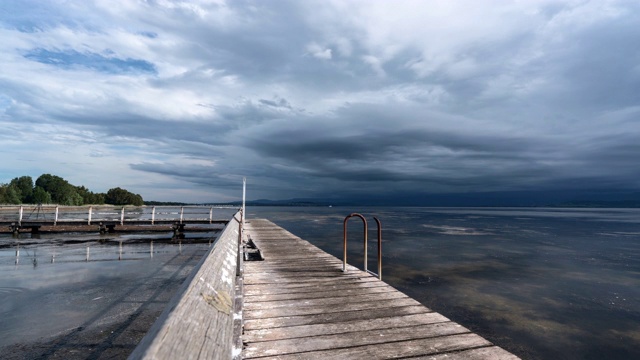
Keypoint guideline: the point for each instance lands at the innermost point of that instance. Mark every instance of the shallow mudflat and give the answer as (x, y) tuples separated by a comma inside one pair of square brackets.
[(86, 300)]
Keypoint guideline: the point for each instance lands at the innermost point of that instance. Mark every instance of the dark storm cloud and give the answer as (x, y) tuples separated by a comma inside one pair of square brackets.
[(315, 98)]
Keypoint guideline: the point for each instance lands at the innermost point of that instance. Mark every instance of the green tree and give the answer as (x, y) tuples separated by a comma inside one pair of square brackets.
[(119, 196), (24, 186), (75, 198), (99, 198), (9, 194), (61, 191), (89, 197), (40, 196)]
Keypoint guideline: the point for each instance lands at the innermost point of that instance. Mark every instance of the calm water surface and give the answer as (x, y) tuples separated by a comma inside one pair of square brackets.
[(88, 295), (545, 283)]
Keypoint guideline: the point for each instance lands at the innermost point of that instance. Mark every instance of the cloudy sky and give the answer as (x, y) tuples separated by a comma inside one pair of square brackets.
[(179, 100)]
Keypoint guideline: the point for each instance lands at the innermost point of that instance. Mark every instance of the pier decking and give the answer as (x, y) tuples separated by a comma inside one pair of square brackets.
[(298, 304)]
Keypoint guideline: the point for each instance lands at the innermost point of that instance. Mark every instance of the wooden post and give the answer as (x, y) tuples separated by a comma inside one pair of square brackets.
[(90, 211), (55, 222), (122, 216), (181, 213), (20, 216), (211, 215), (153, 215)]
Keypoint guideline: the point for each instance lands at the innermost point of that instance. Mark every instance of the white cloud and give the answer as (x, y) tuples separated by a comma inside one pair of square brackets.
[(557, 77), (318, 51), (375, 63)]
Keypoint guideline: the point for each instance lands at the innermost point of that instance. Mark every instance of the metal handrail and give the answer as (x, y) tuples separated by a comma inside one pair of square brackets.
[(366, 229)]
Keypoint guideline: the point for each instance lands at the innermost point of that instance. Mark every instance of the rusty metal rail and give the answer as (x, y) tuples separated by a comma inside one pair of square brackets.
[(366, 230)]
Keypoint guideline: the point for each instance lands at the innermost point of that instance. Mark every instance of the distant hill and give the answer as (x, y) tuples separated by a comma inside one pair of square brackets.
[(568, 198), (600, 204)]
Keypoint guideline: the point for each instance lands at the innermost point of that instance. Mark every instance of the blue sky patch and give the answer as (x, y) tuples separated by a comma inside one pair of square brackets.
[(72, 58), (149, 34), (5, 102)]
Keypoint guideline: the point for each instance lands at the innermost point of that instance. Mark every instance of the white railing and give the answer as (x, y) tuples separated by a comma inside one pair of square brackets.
[(94, 214)]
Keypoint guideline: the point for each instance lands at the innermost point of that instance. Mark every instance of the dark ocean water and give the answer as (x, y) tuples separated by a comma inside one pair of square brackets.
[(544, 283)]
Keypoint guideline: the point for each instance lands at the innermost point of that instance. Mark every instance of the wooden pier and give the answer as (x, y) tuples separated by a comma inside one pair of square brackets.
[(298, 304)]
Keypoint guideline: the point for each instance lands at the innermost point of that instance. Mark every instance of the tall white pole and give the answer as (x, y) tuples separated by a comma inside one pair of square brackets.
[(244, 196)]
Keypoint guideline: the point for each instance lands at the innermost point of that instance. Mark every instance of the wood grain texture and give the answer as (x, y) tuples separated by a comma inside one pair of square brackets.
[(298, 304), (198, 323)]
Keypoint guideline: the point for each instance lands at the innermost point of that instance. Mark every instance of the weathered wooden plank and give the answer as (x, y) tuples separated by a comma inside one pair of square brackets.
[(311, 310), (350, 340), (368, 323), (491, 352), (296, 266), (293, 265), (301, 275), (327, 318), (319, 293), (323, 301), (391, 350), (326, 277), (303, 287), (299, 268), (292, 288)]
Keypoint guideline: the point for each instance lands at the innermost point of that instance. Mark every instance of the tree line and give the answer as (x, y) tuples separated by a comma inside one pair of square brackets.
[(51, 189)]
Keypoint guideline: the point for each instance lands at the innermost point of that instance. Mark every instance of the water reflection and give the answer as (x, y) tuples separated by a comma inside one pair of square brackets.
[(86, 286)]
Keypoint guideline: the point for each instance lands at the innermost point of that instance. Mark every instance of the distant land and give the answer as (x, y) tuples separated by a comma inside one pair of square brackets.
[(592, 199)]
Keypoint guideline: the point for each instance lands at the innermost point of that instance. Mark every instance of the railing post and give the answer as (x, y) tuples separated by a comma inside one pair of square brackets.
[(366, 258), (153, 215), (211, 215), (122, 216), (55, 221), (344, 244), (379, 247), (90, 211), (181, 213), (20, 216)]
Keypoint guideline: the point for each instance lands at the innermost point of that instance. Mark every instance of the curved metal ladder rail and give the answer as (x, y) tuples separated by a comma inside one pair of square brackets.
[(366, 229)]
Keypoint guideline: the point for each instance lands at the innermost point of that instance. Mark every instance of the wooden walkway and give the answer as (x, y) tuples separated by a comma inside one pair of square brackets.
[(298, 304)]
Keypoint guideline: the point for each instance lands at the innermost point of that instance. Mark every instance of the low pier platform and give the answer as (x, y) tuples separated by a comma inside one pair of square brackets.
[(106, 218), (298, 304)]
